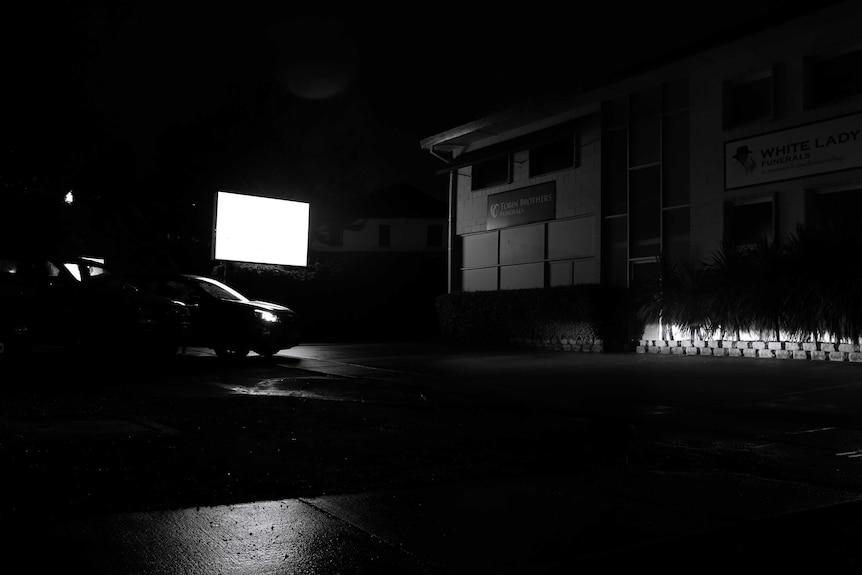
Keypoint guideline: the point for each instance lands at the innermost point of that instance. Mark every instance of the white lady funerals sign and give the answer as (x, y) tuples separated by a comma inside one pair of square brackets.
[(522, 206), (804, 151)]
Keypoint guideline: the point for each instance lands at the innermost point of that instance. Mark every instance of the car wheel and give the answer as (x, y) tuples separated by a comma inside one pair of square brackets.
[(231, 353)]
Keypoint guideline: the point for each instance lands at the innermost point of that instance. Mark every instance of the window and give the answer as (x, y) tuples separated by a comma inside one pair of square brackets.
[(614, 172), (615, 252), (839, 210), (833, 77), (675, 160), (552, 156), (749, 98), (645, 127), (676, 232), (645, 212), (383, 235), (748, 223), (493, 172), (435, 236), (645, 180), (644, 274)]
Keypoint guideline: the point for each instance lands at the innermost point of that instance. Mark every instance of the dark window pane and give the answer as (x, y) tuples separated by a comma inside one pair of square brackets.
[(644, 274), (522, 244), (615, 251), (494, 172), (834, 78), (645, 126), (676, 246), (645, 212), (748, 224), (552, 156), (675, 160), (614, 173), (749, 100), (560, 273), (838, 210)]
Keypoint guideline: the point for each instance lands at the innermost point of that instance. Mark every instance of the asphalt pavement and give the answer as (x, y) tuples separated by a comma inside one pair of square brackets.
[(476, 461)]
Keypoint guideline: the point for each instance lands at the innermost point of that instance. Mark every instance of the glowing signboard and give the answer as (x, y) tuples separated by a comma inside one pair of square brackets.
[(260, 229)]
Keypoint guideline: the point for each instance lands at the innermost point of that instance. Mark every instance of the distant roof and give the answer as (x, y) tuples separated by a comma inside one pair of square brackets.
[(397, 201)]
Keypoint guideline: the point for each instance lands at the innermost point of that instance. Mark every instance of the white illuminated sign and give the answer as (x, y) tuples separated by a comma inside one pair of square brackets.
[(259, 229)]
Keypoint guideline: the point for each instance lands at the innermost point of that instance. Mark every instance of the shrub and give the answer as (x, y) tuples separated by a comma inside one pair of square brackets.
[(583, 313), (807, 289)]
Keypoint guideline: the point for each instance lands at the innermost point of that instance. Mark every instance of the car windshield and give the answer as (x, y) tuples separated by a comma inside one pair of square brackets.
[(219, 290)]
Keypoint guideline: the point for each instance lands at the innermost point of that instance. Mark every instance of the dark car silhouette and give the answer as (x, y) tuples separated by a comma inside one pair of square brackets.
[(79, 305), (225, 320)]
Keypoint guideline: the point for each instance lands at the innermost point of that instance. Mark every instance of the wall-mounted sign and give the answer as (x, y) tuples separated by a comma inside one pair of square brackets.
[(522, 206), (804, 151)]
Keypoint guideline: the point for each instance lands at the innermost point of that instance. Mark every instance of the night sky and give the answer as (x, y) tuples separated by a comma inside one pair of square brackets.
[(167, 103)]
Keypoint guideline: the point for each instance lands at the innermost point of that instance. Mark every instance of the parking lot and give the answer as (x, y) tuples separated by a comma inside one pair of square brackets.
[(554, 458)]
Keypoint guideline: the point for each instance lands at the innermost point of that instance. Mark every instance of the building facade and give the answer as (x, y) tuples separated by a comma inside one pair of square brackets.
[(740, 142), (395, 220), (379, 262)]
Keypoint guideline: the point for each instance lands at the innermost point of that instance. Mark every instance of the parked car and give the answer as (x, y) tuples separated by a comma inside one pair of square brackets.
[(225, 320), (79, 305)]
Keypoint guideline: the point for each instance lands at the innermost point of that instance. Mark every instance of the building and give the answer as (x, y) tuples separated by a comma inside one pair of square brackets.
[(396, 220), (741, 141), (379, 262)]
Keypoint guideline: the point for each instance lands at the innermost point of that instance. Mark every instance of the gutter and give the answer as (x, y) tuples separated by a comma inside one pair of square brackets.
[(434, 153)]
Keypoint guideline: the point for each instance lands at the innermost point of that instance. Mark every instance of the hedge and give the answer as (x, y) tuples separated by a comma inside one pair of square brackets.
[(582, 313)]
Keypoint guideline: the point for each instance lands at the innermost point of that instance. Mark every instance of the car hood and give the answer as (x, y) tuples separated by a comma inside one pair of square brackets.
[(267, 305)]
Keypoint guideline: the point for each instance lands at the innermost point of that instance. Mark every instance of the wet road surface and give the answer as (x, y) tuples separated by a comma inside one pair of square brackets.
[(421, 459)]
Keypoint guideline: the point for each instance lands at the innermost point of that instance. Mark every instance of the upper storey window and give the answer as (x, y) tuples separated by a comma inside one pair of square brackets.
[(552, 156), (493, 172), (833, 77), (749, 98)]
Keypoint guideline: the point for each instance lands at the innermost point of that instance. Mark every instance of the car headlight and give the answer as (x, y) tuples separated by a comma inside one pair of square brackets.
[(267, 316)]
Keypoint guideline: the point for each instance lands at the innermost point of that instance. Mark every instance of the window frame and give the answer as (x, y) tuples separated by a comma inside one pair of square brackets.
[(728, 223), (729, 119), (569, 148), (482, 181), (814, 100)]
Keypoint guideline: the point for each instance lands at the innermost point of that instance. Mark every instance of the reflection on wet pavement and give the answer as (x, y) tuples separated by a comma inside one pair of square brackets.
[(287, 536), (313, 385)]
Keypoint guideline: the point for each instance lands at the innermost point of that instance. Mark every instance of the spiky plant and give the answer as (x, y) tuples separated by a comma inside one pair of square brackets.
[(651, 297), (825, 288), (674, 297), (692, 297), (767, 263), (728, 275), (805, 295)]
